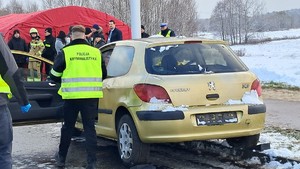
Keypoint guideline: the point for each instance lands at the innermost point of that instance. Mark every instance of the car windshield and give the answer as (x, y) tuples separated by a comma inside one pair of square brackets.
[(196, 58)]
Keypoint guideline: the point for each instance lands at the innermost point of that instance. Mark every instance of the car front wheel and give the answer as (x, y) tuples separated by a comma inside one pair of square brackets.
[(243, 142), (131, 150)]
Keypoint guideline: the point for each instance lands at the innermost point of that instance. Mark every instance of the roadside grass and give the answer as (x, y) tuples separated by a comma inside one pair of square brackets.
[(279, 85), (286, 132)]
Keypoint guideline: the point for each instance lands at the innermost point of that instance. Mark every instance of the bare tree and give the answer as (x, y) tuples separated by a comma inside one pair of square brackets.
[(14, 6), (180, 15), (236, 19), (47, 4), (31, 7), (252, 10), (217, 21)]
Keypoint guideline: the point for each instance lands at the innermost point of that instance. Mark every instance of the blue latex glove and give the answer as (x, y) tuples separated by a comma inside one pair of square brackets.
[(25, 108)]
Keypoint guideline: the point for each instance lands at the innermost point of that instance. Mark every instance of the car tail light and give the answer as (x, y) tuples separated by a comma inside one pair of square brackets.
[(256, 86), (147, 91)]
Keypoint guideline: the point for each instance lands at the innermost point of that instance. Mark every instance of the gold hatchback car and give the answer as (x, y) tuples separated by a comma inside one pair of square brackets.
[(162, 90)]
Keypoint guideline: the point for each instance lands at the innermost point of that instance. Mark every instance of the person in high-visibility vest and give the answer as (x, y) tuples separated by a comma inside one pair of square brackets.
[(10, 82), (165, 31), (80, 69)]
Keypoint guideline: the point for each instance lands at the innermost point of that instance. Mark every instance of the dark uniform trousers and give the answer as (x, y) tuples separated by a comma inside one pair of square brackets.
[(88, 109), (5, 138)]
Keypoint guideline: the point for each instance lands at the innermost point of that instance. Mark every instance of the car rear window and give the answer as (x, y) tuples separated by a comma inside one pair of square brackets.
[(196, 58)]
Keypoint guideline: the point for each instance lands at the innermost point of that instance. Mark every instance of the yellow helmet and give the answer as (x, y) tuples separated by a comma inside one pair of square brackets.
[(33, 30)]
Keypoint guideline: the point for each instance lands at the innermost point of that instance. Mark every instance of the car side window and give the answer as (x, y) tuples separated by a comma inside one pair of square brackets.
[(106, 56), (120, 61)]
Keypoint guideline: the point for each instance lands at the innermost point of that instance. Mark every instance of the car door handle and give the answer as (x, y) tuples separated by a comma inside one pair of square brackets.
[(51, 84)]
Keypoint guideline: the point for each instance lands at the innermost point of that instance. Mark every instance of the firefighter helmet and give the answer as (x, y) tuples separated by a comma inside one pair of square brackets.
[(33, 30)]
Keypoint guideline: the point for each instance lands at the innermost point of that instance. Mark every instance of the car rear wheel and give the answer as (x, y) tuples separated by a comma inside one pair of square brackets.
[(131, 150), (243, 142)]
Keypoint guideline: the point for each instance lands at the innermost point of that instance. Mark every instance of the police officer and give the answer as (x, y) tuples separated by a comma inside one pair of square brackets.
[(165, 31), (80, 69), (10, 76)]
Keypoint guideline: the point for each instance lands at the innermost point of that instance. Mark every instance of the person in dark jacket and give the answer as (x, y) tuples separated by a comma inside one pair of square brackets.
[(143, 33), (165, 31), (97, 31), (49, 52), (81, 70), (114, 33), (17, 43), (10, 82), (99, 41), (88, 35)]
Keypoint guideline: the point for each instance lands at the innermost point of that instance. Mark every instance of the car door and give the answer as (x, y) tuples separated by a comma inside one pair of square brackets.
[(42, 95), (118, 62)]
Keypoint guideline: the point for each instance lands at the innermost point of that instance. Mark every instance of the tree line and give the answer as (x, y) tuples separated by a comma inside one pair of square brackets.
[(235, 21), (181, 15)]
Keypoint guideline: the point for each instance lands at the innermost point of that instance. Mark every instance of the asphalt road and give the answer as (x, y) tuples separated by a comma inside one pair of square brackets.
[(34, 146), (283, 114)]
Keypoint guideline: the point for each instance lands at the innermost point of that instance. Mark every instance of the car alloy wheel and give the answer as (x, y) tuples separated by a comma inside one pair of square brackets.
[(125, 141), (131, 149)]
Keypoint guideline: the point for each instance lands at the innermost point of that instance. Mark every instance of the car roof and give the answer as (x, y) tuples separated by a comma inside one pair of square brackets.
[(153, 41), (178, 39)]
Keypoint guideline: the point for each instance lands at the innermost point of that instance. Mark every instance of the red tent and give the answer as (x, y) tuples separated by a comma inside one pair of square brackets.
[(58, 19)]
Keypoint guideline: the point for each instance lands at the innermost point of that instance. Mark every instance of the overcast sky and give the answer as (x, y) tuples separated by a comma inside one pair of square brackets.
[(205, 7)]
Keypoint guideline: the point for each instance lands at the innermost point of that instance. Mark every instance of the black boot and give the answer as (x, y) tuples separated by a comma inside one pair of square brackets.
[(60, 160)]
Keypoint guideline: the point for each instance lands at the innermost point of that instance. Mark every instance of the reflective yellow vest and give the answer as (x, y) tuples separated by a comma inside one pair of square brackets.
[(4, 88), (168, 34), (82, 77)]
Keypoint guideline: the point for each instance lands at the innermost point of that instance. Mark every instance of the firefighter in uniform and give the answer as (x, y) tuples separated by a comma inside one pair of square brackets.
[(10, 81), (36, 47), (80, 69)]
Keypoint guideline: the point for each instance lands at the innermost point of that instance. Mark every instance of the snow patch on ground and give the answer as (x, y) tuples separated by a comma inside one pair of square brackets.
[(276, 61), (277, 165), (282, 146)]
